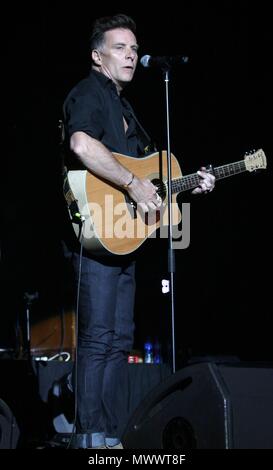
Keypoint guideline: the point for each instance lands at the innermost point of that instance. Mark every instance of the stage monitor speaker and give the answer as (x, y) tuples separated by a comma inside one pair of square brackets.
[(9, 431), (206, 406)]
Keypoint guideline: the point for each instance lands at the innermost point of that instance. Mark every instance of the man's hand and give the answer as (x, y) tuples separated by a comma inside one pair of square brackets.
[(144, 193), (206, 182)]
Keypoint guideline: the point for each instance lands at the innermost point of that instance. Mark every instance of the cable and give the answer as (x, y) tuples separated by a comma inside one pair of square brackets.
[(51, 358), (76, 333), (61, 354)]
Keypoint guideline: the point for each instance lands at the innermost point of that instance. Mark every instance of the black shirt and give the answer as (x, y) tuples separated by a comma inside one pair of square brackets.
[(93, 106)]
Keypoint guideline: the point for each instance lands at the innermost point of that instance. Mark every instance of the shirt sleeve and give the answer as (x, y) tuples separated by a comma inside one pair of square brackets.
[(83, 112)]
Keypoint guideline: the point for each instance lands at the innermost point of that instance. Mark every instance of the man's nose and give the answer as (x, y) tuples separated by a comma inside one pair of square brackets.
[(130, 54)]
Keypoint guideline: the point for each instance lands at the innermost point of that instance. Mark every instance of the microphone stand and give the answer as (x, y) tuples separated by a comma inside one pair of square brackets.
[(171, 257)]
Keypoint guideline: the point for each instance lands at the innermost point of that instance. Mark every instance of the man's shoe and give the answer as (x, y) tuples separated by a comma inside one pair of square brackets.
[(117, 446), (113, 443)]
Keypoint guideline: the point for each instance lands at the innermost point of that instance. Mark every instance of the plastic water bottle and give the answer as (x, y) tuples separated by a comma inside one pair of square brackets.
[(157, 353), (148, 353)]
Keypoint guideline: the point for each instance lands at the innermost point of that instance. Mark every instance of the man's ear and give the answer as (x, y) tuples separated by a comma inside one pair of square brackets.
[(96, 57)]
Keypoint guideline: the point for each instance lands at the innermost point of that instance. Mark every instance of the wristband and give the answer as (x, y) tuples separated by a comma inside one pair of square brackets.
[(125, 186)]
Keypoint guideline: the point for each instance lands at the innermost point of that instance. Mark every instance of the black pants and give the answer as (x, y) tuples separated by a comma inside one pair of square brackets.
[(105, 335)]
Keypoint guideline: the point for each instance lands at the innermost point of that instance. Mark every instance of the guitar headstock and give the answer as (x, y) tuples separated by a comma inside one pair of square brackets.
[(255, 161)]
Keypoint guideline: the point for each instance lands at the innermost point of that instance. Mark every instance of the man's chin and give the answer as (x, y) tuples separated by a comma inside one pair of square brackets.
[(128, 76), (124, 82)]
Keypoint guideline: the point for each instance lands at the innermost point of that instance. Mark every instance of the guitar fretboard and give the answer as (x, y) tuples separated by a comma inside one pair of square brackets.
[(191, 181)]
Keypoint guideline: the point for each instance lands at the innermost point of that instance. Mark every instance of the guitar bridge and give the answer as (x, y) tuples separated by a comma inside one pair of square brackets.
[(131, 205)]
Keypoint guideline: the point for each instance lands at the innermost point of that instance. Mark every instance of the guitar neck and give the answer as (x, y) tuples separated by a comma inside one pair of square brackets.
[(191, 181)]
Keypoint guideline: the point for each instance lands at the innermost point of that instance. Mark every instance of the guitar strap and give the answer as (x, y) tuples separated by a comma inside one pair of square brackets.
[(71, 201), (148, 145)]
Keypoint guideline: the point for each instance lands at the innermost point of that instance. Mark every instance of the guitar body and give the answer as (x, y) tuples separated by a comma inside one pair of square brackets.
[(113, 223)]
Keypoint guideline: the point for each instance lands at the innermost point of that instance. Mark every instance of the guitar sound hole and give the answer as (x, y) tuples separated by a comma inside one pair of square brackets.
[(161, 190)]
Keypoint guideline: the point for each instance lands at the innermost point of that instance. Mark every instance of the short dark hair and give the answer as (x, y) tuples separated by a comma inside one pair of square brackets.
[(106, 23)]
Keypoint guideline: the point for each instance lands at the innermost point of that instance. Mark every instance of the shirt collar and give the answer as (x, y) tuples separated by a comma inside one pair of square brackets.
[(104, 81)]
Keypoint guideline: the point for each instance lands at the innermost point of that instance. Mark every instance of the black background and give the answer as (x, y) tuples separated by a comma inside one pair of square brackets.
[(221, 108)]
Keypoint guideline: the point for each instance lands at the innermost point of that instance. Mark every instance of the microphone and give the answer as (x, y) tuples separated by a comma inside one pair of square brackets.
[(163, 61)]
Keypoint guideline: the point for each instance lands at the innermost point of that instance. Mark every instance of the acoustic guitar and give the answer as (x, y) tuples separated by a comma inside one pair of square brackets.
[(109, 222)]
